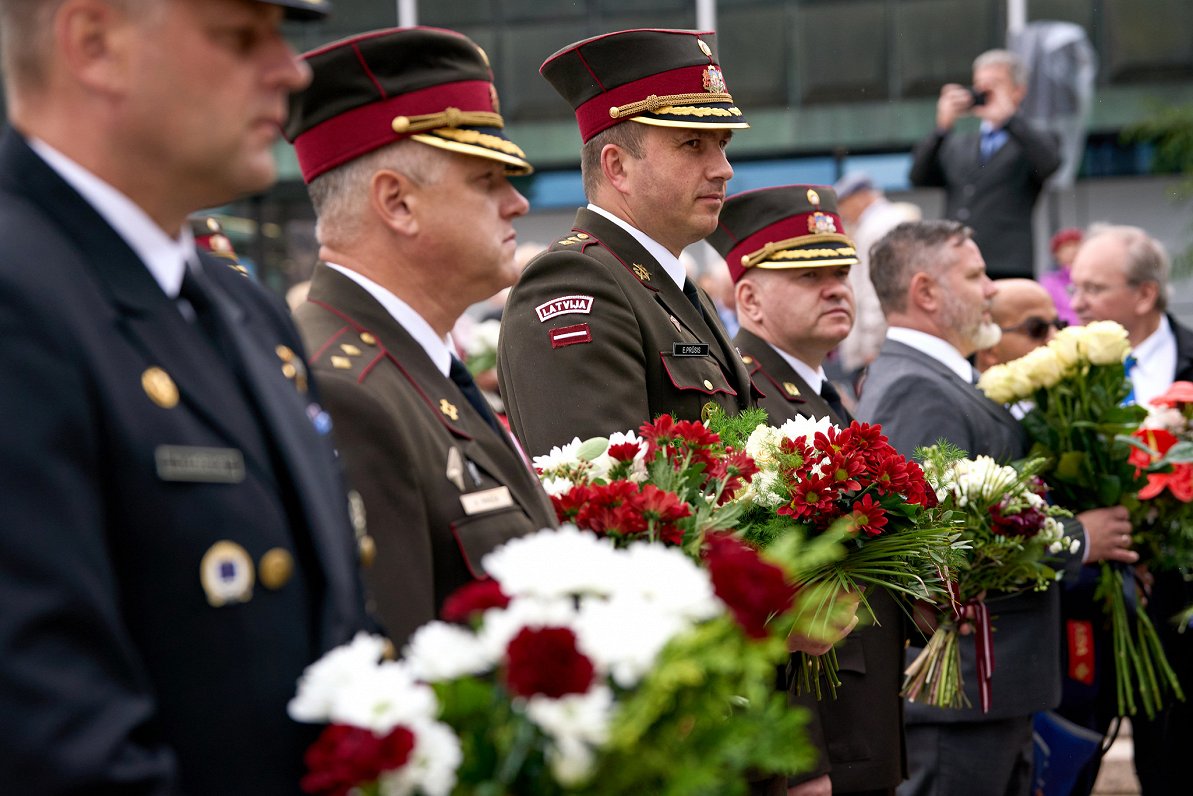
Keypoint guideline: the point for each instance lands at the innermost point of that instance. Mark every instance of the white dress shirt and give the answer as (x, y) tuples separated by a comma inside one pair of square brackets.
[(939, 349), (1155, 363)]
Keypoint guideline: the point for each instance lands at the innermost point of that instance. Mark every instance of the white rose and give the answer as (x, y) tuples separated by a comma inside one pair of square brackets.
[(1067, 346), (1105, 343), (995, 383), (1019, 383), (1042, 367)]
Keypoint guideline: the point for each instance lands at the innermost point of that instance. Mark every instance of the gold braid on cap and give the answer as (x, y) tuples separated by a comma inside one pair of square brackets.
[(654, 102), (448, 117), (781, 250)]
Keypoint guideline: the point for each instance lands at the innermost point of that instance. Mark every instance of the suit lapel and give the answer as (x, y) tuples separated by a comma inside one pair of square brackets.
[(779, 373)]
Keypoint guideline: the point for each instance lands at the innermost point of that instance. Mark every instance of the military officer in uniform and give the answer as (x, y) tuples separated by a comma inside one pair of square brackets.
[(604, 331), (399, 139), (174, 538), (790, 261)]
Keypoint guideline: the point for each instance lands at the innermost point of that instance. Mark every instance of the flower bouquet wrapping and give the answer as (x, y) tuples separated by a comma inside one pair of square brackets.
[(1011, 531), (817, 481), (1080, 425), (582, 668)]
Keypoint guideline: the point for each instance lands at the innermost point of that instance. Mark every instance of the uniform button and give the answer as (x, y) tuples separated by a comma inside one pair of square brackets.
[(275, 569), (707, 384)]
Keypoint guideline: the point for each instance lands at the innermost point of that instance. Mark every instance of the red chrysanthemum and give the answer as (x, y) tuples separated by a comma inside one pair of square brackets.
[(623, 451), (867, 516), (813, 497), (545, 661), (662, 510), (753, 589), (733, 469), (919, 491), (472, 599), (571, 503), (345, 757), (679, 441), (612, 510)]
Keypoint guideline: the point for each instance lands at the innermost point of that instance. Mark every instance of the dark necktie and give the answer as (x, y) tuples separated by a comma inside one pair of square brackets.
[(689, 290), (459, 374), (833, 398), (195, 293)]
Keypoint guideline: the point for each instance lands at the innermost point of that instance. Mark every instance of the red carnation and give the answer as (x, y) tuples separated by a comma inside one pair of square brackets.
[(471, 599), (345, 757), (753, 589), (546, 661)]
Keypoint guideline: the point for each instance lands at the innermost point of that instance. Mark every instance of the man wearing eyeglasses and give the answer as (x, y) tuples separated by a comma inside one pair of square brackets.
[(1121, 274)]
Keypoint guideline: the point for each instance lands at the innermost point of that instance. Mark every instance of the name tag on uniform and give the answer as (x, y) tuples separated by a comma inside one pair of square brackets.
[(486, 500), (194, 464), (689, 349)]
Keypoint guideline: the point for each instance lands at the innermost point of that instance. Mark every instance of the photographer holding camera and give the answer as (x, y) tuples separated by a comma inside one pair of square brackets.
[(991, 176)]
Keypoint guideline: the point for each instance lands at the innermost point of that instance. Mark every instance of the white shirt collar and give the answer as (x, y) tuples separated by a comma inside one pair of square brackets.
[(939, 349), (669, 261), (814, 378), (439, 349), (165, 257), (1155, 363)]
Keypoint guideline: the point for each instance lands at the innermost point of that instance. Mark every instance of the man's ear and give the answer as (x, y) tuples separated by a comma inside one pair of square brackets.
[(393, 196), (924, 292), (96, 41), (616, 166), (1149, 294), (747, 294)]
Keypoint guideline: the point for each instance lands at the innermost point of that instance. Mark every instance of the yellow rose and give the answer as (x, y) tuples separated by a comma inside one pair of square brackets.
[(996, 385), (1042, 367), (1067, 347), (1105, 343)]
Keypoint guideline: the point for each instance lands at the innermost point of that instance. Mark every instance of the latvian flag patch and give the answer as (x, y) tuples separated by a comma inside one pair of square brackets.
[(570, 335)]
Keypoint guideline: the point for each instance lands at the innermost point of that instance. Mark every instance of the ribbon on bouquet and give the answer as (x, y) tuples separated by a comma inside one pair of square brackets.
[(984, 648)]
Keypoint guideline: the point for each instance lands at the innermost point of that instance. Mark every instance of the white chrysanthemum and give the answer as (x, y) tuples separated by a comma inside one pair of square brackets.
[(801, 426), (982, 478), (483, 338), (762, 444), (583, 716), (624, 636), (579, 563), (382, 697), (439, 651), (604, 463), (571, 761), (556, 485), (322, 681), (668, 579), (560, 459), (499, 626), (431, 769)]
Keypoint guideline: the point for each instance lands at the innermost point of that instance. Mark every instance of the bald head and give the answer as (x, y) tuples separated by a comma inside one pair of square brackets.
[(1026, 314)]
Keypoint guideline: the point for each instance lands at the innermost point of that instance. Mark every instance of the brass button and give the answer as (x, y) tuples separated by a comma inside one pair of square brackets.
[(284, 353), (368, 550), (160, 387), (289, 371), (707, 384), (276, 568)]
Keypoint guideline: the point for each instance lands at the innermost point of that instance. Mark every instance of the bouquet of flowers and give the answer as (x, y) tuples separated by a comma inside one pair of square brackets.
[(1164, 453), (818, 481), (1011, 530), (480, 347), (581, 668), (1081, 427)]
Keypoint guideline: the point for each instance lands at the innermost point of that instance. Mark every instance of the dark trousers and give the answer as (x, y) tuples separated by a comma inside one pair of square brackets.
[(969, 758)]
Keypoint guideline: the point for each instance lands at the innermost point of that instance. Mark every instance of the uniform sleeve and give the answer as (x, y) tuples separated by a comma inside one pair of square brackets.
[(76, 711), (378, 465), (554, 387)]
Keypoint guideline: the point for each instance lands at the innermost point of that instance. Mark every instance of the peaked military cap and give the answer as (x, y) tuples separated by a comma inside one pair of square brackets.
[(366, 91), (669, 78), (791, 226), (303, 10)]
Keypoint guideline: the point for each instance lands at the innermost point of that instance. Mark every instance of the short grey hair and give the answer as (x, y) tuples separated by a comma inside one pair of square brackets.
[(341, 195), (910, 248), (1012, 62), (1147, 259), (628, 135)]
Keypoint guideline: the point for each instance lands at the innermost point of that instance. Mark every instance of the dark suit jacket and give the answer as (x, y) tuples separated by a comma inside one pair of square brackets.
[(859, 734), (116, 674), (399, 424), (628, 315), (917, 400), (995, 198)]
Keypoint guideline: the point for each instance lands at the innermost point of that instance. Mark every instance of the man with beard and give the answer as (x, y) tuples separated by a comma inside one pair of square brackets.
[(604, 331), (791, 262), (932, 284)]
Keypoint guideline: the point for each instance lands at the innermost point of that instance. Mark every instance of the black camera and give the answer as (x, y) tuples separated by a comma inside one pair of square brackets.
[(978, 97)]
